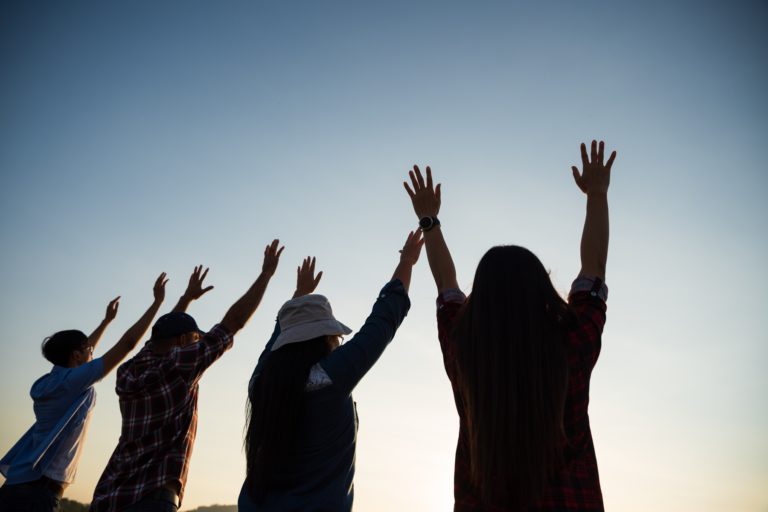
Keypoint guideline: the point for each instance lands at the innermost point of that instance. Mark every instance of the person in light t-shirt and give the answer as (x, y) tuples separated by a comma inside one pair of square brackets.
[(43, 462)]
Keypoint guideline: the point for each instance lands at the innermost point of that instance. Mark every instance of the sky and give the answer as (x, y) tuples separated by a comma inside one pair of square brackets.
[(140, 137)]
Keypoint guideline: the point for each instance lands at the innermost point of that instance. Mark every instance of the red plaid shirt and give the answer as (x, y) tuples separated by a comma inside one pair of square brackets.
[(577, 486), (158, 402)]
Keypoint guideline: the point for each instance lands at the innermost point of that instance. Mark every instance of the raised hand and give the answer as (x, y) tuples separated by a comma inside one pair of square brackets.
[(239, 313), (424, 197), (306, 281), (112, 309), (158, 290), (195, 288), (128, 341), (596, 175), (412, 249), (271, 257)]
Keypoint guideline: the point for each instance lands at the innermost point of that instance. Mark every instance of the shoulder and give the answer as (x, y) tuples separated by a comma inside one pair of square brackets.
[(449, 303)]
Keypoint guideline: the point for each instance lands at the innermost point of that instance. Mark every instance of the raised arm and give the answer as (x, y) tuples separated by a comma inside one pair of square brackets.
[(351, 361), (132, 336), (593, 181), (409, 255), (426, 203), (240, 312), (110, 315), (194, 289)]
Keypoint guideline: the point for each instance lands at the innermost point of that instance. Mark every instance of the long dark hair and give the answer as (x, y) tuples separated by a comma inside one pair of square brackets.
[(513, 375), (275, 401)]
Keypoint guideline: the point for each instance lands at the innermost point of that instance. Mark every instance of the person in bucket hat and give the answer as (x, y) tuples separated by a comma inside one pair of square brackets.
[(301, 420)]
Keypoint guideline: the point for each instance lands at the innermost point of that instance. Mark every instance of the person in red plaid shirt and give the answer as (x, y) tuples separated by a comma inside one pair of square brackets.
[(519, 359), (158, 392)]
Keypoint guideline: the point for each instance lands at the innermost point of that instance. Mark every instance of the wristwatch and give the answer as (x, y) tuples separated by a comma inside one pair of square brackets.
[(427, 223)]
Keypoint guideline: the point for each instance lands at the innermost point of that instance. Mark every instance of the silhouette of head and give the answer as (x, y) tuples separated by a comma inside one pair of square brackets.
[(67, 348), (175, 329), (512, 368)]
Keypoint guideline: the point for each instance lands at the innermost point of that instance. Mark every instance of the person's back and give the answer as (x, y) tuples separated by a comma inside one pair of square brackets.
[(158, 391), (302, 421), (573, 483), (310, 479), (519, 360), (41, 465), (158, 395), (63, 401)]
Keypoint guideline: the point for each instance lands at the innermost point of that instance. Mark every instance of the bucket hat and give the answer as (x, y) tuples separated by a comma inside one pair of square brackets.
[(305, 318)]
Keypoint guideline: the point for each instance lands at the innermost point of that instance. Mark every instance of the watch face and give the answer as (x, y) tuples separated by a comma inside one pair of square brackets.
[(425, 222)]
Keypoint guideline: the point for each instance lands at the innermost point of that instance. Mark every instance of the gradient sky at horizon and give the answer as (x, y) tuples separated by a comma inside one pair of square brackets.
[(140, 137)]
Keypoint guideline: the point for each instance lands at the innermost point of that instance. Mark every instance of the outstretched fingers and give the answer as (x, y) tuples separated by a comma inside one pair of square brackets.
[(600, 153), (161, 280), (610, 161), (271, 249), (419, 177)]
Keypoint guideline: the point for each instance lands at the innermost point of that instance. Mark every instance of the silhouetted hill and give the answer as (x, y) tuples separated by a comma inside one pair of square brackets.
[(74, 506)]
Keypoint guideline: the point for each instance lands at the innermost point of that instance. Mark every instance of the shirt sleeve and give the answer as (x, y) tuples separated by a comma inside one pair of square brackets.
[(350, 362), (192, 360), (587, 300), (449, 303), (82, 377)]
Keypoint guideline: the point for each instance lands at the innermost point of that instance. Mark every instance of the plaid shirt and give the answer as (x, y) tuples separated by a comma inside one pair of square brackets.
[(577, 486), (158, 402)]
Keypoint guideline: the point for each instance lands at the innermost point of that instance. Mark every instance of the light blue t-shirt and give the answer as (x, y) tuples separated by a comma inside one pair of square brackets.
[(63, 401)]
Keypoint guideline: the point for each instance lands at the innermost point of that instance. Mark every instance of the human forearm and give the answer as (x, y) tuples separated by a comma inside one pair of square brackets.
[(403, 272), (131, 338), (242, 310), (110, 315), (440, 260), (426, 199), (349, 363), (182, 305), (594, 180), (97, 333), (409, 255), (594, 239)]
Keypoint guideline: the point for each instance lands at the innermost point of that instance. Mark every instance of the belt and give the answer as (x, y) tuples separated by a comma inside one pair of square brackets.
[(165, 494)]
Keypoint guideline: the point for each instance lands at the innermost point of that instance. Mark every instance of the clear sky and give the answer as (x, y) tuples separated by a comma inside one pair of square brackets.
[(140, 137)]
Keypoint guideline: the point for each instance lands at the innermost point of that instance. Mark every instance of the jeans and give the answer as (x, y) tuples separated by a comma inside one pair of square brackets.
[(158, 501), (28, 497)]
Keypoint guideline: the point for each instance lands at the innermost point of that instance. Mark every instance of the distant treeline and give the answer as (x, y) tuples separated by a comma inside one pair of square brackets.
[(74, 506)]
